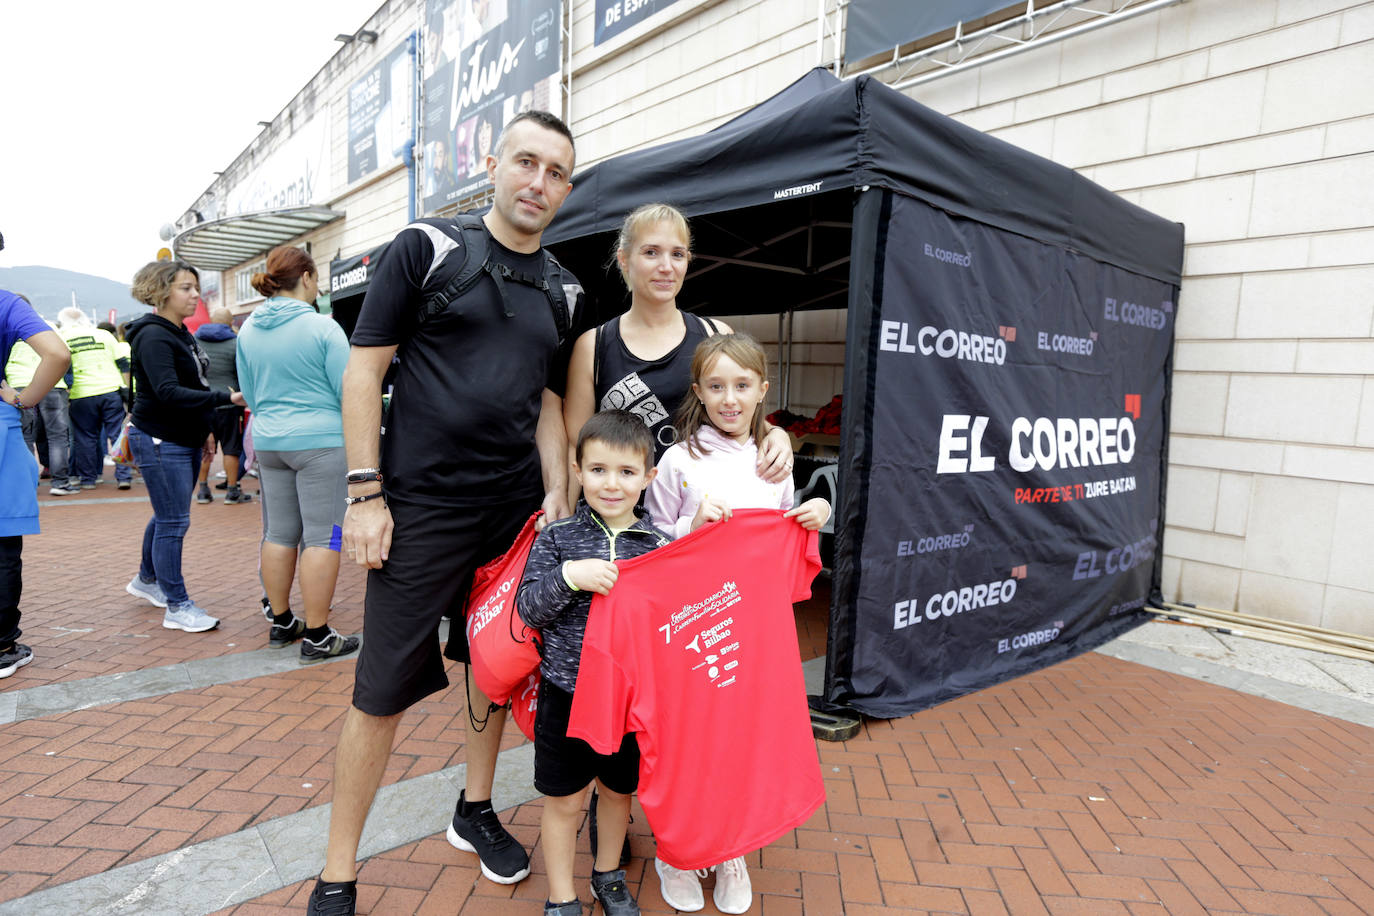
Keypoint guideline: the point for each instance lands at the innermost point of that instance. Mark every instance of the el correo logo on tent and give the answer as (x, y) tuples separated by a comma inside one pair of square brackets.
[(1045, 442), (934, 544), (348, 278), (955, 601), (1139, 315), (1091, 564), (958, 258), (1063, 343), (798, 191), (1031, 639), (894, 337)]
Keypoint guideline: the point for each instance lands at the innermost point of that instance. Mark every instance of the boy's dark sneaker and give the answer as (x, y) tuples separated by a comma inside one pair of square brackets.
[(501, 856), (609, 888), (281, 635), (14, 658), (236, 495), (332, 646), (571, 908), (203, 495), (333, 898)]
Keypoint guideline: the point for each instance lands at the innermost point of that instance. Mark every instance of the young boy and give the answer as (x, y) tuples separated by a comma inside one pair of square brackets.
[(571, 561)]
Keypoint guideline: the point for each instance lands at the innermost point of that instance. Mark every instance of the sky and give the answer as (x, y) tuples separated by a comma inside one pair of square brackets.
[(114, 116)]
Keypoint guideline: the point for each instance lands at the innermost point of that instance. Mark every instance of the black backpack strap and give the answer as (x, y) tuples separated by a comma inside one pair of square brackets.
[(475, 249), (471, 235), (596, 356)]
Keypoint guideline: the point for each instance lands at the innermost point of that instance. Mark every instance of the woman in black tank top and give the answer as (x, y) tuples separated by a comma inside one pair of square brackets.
[(641, 361)]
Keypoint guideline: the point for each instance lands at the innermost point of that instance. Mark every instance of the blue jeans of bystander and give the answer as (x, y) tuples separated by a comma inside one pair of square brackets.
[(169, 471)]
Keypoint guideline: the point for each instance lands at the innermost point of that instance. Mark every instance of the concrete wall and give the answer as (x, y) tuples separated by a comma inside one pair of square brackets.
[(1251, 122)]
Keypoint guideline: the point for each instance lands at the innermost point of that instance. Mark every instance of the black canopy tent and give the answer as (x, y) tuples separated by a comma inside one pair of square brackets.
[(1008, 354), (349, 279)]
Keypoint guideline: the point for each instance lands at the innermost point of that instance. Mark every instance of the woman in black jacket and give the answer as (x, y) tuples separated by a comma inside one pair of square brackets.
[(168, 429)]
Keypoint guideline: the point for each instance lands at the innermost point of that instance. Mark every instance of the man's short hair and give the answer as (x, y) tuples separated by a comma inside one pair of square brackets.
[(544, 119), (618, 429)]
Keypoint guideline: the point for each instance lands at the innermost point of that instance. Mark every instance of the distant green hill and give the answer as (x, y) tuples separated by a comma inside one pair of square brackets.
[(50, 290)]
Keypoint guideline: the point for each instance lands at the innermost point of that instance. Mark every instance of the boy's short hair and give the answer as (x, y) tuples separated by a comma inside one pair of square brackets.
[(618, 429)]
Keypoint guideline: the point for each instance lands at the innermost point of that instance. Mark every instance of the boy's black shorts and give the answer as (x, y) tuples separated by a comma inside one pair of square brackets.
[(434, 552), (227, 425), (566, 766)]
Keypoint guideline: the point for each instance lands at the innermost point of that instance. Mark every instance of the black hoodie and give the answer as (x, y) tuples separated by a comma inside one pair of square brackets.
[(171, 399)]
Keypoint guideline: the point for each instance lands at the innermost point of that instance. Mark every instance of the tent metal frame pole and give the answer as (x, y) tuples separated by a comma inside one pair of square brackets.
[(960, 41), (565, 27)]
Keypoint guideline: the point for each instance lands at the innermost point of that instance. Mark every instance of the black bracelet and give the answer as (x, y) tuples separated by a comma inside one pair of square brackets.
[(350, 500)]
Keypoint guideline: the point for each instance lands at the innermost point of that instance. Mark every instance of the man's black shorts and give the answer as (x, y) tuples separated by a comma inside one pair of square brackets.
[(227, 425), (434, 552), (564, 766)]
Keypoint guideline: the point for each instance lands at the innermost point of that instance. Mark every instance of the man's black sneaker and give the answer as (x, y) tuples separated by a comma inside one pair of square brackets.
[(203, 495), (14, 658), (332, 646), (501, 856), (609, 888), (236, 495), (333, 898), (571, 908), (281, 635)]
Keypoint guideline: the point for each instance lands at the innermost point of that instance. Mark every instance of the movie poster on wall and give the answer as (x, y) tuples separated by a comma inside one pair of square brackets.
[(379, 115), (484, 62)]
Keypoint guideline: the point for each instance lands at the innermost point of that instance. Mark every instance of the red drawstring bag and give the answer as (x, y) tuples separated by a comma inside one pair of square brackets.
[(505, 652)]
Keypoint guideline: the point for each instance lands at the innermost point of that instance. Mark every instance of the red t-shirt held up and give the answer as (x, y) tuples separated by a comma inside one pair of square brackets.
[(695, 650)]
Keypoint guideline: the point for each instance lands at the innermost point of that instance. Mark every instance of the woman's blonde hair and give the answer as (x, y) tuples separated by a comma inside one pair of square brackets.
[(153, 282), (691, 413), (640, 219)]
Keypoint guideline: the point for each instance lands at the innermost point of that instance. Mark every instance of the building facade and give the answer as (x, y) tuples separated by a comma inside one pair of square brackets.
[(1250, 121)]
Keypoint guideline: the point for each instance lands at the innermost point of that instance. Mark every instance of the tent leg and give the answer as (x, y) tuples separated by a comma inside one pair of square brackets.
[(832, 723)]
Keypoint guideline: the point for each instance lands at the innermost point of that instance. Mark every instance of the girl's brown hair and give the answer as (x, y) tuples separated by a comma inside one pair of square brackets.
[(286, 264), (691, 414)]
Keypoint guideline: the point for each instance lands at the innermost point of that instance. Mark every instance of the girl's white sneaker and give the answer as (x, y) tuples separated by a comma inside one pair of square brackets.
[(681, 890), (734, 893)]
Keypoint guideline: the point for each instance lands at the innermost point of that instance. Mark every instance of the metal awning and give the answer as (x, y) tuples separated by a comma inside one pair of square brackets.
[(224, 243)]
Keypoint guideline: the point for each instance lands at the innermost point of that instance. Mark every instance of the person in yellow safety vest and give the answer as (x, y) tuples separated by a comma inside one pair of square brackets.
[(95, 406), (50, 413)]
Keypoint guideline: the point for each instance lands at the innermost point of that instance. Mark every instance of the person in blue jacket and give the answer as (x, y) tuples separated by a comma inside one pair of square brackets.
[(18, 471)]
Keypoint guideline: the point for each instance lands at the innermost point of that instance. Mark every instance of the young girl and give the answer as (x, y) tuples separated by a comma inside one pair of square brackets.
[(708, 473)]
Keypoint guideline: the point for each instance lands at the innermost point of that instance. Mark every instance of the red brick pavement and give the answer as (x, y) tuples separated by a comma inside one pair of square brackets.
[(1097, 786), (80, 621)]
